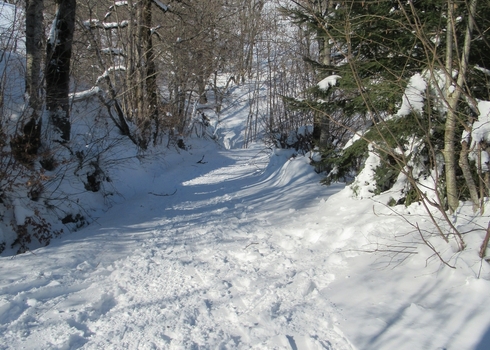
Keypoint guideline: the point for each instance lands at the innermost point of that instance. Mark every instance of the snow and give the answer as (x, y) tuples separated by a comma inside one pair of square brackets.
[(161, 5), (364, 186), (21, 211), (480, 132), (81, 95), (7, 17), (244, 249), (220, 246), (94, 23), (118, 68), (53, 32), (329, 81), (481, 128), (113, 51), (413, 99), (12, 68)]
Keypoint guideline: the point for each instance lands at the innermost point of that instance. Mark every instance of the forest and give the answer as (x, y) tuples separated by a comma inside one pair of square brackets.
[(406, 82), (287, 174)]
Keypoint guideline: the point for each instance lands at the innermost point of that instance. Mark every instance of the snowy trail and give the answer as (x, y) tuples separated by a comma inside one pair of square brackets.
[(221, 263), (216, 248)]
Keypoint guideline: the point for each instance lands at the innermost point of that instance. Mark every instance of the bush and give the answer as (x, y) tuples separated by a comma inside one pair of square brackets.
[(36, 227)]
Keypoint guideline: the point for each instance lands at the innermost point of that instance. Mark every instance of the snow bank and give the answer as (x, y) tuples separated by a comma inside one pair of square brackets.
[(481, 128), (364, 185)]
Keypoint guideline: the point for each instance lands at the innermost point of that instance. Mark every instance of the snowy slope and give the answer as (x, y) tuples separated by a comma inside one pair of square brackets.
[(230, 248)]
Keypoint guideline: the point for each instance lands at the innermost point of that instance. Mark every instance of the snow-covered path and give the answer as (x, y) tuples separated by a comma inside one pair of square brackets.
[(242, 249), (209, 256)]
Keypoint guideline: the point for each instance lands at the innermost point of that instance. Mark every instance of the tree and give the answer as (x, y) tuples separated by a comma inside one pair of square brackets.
[(380, 45), (34, 46), (57, 73), (27, 142), (454, 90), (201, 40), (142, 72), (409, 83), (121, 36)]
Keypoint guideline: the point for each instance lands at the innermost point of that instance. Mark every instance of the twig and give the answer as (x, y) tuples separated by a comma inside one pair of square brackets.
[(479, 270), (163, 194), (250, 245), (484, 245), (403, 250), (433, 248)]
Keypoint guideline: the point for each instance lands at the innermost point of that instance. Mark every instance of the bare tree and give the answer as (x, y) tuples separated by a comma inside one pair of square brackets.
[(27, 142)]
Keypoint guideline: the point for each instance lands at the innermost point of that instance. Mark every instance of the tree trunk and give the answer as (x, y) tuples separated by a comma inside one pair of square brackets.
[(325, 7), (201, 89), (486, 179), (145, 78), (58, 56), (465, 166), (139, 67), (129, 95), (453, 97), (151, 71), (450, 159), (26, 144), (34, 36)]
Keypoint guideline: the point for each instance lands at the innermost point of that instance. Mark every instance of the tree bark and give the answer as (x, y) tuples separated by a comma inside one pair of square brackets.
[(453, 97), (484, 245), (139, 66), (465, 166), (26, 144), (325, 7), (58, 56), (146, 94), (34, 36), (151, 71)]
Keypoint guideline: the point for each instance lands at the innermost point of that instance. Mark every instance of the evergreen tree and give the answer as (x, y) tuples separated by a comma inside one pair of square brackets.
[(376, 48)]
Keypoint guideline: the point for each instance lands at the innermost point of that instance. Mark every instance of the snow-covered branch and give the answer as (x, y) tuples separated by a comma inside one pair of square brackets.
[(483, 70), (329, 81), (82, 95), (95, 23), (161, 5), (118, 4), (113, 51), (110, 70)]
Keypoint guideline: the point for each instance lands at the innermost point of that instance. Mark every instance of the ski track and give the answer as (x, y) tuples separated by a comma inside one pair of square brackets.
[(224, 265)]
